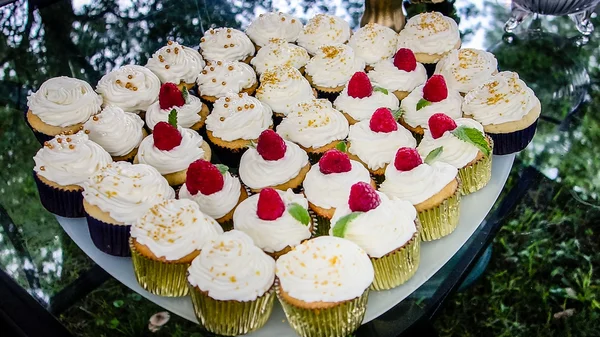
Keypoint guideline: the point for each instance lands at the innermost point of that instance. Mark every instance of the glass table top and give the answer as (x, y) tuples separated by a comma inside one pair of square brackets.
[(86, 39)]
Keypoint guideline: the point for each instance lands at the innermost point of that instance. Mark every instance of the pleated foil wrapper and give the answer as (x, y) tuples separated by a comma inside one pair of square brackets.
[(442, 219), (68, 204), (110, 238), (507, 143), (475, 176)]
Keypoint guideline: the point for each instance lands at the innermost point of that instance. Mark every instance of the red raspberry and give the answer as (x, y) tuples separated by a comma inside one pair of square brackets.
[(382, 120), (166, 136), (407, 159), (170, 96), (334, 161), (204, 177), (405, 59), (270, 206), (435, 89), (359, 85), (270, 145), (440, 123), (363, 197)]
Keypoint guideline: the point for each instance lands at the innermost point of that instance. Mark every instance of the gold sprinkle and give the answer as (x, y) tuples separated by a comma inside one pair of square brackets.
[(229, 36), (226, 105), (214, 80), (246, 106), (241, 95), (251, 106), (219, 63), (71, 146), (87, 132), (293, 20), (231, 45), (118, 81), (59, 140), (95, 118), (228, 30), (225, 46), (68, 140), (282, 19), (134, 88), (176, 50), (168, 50), (223, 83), (239, 108), (222, 119), (227, 99), (129, 76), (169, 42), (212, 68), (42, 168)]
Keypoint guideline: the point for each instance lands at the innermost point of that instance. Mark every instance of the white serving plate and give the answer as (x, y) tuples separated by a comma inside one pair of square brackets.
[(434, 255)]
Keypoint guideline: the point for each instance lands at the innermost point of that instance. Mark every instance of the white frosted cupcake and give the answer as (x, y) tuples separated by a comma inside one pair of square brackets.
[(278, 52), (332, 67), (220, 78), (274, 25), (467, 68), (231, 275), (282, 87), (401, 74), (118, 132), (176, 64), (323, 29), (226, 44), (191, 112), (374, 42), (132, 88)]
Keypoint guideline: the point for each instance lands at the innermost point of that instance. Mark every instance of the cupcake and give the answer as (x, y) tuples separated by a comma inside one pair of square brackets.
[(323, 29), (116, 197), (385, 228), (118, 132), (61, 105), (508, 110), (132, 88), (176, 64), (278, 52), (171, 150), (382, 133), (430, 36), (269, 26), (314, 125), (215, 190), (401, 74), (276, 220), (221, 77), (332, 67), (323, 286), (373, 43), (464, 146), (226, 44), (62, 165), (274, 162), (431, 186), (327, 185), (432, 97), (165, 240), (191, 112), (282, 87), (467, 68), (359, 99), (231, 283)]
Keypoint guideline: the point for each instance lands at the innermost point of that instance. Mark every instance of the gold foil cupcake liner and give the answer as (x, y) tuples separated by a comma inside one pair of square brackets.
[(157, 277), (323, 225), (231, 318), (442, 219), (338, 321), (475, 176), (398, 266)]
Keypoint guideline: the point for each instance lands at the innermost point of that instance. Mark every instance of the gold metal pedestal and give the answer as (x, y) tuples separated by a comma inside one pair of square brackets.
[(385, 12)]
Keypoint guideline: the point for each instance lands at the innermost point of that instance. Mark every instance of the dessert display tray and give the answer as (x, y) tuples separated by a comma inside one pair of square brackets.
[(434, 255)]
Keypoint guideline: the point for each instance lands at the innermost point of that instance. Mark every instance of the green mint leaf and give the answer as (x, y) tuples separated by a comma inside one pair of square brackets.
[(397, 113), (173, 118), (341, 146), (299, 213), (339, 229), (185, 94), (422, 103), (432, 156), (474, 137), (252, 144), (380, 89), (222, 168), (118, 303)]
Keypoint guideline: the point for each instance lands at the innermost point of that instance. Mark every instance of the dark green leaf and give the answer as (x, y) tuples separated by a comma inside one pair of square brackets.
[(473, 136), (222, 168), (185, 93), (118, 303), (114, 323), (342, 146), (422, 103), (432, 156), (252, 144), (299, 213), (339, 229), (397, 113), (380, 89), (173, 118)]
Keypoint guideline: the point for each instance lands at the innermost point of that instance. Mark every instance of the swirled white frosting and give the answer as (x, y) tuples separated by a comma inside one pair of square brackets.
[(117, 131), (232, 268), (70, 160), (257, 173), (175, 160), (126, 191), (388, 76), (239, 116), (503, 98), (282, 87), (380, 230), (325, 269), (64, 101), (333, 65), (450, 106), (456, 152), (272, 235), (173, 229), (314, 123), (377, 149), (176, 63), (218, 204), (279, 53), (363, 108), (187, 114), (132, 88), (467, 68), (226, 44), (374, 42), (418, 184), (219, 78), (274, 25), (429, 33), (332, 190), (323, 29)]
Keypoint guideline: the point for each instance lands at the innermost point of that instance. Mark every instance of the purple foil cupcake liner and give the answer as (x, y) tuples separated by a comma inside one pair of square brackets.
[(68, 204), (507, 143), (109, 238)]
